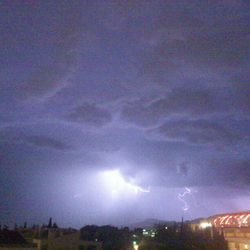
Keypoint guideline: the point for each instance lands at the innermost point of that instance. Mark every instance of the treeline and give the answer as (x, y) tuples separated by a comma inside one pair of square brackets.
[(112, 238)]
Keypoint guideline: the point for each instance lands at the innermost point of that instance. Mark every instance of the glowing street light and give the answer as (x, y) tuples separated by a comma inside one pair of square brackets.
[(135, 245)]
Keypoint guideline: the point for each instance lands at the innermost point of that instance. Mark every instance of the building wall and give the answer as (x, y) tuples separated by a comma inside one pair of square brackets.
[(237, 238), (66, 241), (40, 243), (70, 241)]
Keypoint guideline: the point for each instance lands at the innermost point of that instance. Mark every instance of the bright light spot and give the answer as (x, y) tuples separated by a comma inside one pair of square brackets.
[(114, 180), (117, 184), (246, 246), (136, 247), (204, 225), (166, 228)]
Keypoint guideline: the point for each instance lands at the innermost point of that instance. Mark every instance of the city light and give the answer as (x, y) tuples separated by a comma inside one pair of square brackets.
[(135, 245), (149, 233), (204, 225)]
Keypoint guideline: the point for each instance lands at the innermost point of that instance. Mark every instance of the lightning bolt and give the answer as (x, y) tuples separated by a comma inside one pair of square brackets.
[(181, 197), (140, 189)]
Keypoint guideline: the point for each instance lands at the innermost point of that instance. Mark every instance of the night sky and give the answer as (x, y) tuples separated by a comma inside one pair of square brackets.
[(112, 112)]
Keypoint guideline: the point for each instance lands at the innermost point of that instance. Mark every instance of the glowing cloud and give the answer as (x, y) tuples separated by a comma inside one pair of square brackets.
[(118, 185)]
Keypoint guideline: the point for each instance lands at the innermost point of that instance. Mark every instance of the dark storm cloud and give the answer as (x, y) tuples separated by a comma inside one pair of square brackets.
[(186, 101), (139, 112), (236, 172), (115, 14), (198, 132), (205, 46), (240, 98), (210, 36), (178, 101), (189, 102), (158, 90), (44, 81), (63, 33), (227, 172), (43, 141), (206, 173), (90, 114), (182, 168)]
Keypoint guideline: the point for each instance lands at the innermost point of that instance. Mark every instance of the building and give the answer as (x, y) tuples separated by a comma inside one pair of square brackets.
[(235, 228), (237, 238), (200, 224), (238, 220), (63, 239), (51, 237), (13, 240)]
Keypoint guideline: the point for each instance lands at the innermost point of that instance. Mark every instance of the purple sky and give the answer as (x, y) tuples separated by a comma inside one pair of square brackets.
[(103, 100)]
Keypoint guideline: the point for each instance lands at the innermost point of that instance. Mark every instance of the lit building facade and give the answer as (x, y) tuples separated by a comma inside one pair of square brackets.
[(235, 227)]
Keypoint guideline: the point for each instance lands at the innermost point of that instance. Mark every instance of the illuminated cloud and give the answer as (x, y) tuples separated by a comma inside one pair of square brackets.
[(118, 186)]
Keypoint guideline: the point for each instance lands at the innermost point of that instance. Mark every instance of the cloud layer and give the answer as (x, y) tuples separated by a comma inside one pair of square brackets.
[(159, 90)]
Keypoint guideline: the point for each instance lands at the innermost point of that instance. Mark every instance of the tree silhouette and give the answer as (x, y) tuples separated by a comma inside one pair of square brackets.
[(50, 223), (55, 225)]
